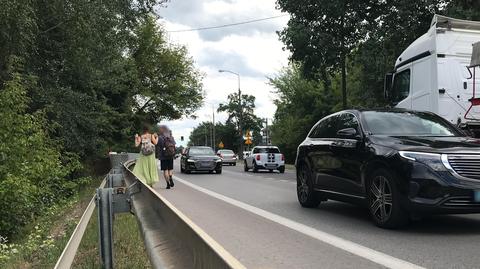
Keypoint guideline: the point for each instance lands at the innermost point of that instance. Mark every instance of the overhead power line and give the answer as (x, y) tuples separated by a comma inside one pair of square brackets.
[(226, 25)]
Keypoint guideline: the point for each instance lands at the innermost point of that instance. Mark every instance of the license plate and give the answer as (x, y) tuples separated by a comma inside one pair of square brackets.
[(476, 196), (204, 164)]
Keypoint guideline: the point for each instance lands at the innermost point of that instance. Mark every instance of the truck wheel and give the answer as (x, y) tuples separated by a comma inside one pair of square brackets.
[(255, 168), (219, 171), (281, 169), (245, 167)]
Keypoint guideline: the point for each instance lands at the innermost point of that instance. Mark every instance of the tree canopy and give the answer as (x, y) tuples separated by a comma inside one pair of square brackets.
[(77, 79), (373, 32)]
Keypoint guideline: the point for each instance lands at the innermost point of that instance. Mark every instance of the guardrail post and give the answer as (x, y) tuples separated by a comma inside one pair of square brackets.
[(105, 225)]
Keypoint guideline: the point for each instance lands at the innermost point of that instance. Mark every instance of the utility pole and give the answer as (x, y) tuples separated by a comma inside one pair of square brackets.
[(213, 120), (240, 112), (206, 131), (266, 131)]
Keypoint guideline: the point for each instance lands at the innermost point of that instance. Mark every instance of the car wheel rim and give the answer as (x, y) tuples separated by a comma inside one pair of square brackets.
[(302, 186), (381, 199)]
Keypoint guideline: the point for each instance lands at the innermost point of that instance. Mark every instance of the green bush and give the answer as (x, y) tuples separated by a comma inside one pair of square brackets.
[(32, 170)]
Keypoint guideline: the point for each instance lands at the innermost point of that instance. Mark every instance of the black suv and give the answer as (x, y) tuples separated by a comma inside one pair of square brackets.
[(398, 163)]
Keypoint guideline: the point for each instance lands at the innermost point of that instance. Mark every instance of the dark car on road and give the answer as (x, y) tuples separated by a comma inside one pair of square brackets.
[(400, 164), (200, 159)]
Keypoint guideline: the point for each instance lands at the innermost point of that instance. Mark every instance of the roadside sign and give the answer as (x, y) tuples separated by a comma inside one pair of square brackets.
[(221, 145)]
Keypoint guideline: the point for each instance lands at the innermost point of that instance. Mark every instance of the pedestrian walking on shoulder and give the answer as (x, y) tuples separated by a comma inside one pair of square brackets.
[(166, 153), (146, 167)]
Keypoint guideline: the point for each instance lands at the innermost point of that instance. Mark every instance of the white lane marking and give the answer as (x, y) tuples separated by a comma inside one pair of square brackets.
[(333, 240)]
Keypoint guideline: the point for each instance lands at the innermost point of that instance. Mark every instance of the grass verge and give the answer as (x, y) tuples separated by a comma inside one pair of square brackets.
[(128, 249), (290, 166), (40, 244)]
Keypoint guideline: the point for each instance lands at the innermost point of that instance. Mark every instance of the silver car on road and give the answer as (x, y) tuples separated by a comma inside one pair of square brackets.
[(228, 156)]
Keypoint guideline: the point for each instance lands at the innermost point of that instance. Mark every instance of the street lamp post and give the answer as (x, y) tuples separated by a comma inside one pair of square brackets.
[(240, 114)]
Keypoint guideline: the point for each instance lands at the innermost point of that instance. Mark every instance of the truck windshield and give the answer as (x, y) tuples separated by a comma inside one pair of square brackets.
[(266, 150), (407, 124)]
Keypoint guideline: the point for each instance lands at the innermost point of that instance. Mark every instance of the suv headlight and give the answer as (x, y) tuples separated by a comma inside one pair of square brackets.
[(432, 160), (190, 160)]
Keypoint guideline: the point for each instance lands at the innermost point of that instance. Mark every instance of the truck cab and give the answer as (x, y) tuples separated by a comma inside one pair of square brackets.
[(435, 73)]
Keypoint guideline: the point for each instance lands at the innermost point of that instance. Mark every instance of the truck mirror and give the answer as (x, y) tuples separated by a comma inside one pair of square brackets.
[(387, 85)]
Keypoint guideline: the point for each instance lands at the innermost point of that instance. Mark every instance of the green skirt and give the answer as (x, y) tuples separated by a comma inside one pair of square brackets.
[(146, 169)]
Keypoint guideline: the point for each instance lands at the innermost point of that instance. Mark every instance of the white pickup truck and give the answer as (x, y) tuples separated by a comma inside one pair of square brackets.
[(265, 157)]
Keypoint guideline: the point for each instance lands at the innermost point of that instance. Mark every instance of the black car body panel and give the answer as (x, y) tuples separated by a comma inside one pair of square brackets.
[(341, 166), (204, 160)]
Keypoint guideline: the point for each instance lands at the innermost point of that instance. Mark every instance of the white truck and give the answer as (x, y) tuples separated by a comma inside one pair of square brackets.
[(265, 157), (436, 73)]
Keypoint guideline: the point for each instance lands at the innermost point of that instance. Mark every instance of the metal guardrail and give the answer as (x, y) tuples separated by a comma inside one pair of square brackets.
[(68, 254), (171, 239)]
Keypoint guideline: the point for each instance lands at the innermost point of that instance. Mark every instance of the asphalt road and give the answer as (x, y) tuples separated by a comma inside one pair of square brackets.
[(265, 227)]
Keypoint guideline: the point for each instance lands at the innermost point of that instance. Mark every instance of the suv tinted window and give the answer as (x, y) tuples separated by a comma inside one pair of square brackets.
[(326, 128), (266, 150), (401, 86), (346, 120)]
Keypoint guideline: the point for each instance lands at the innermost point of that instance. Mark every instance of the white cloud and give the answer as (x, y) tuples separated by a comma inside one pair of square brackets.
[(253, 50)]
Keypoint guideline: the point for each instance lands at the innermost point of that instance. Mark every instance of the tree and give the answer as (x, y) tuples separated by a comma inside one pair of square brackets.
[(322, 34), (226, 133), (168, 85), (300, 104), (245, 108), (32, 170)]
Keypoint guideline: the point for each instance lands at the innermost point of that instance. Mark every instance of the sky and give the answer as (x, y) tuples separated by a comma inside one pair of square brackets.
[(252, 50)]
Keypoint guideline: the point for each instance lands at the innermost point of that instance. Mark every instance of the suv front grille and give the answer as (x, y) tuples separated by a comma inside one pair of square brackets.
[(466, 165)]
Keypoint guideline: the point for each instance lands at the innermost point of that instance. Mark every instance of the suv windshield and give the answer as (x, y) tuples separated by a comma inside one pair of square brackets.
[(407, 124), (223, 151), (266, 150), (201, 151)]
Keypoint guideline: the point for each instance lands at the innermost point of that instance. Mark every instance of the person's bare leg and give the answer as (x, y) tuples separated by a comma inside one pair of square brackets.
[(167, 178), (170, 174)]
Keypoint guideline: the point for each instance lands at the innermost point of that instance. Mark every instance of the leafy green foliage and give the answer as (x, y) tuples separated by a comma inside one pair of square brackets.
[(374, 33), (322, 34), (225, 133), (72, 75), (32, 175), (168, 85), (243, 109), (300, 104)]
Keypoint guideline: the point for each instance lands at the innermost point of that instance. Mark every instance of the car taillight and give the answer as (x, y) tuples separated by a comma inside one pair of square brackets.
[(283, 157), (258, 157)]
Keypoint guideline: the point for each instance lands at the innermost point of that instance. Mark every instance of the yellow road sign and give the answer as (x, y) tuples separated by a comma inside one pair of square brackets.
[(221, 145)]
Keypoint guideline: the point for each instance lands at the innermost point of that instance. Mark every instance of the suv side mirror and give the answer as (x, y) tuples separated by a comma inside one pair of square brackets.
[(348, 133), (387, 85)]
